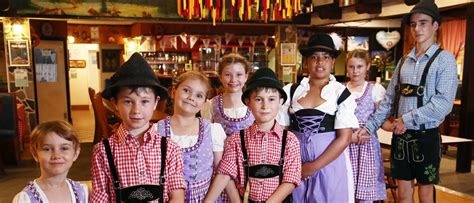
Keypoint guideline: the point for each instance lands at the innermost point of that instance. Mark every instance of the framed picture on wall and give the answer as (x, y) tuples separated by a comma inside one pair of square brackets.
[(288, 54), (110, 59), (19, 54), (357, 42)]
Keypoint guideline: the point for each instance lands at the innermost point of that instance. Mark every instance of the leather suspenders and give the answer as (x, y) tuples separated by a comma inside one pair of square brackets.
[(116, 182)]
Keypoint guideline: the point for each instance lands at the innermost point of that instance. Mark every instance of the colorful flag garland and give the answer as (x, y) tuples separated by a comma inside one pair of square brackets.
[(245, 9)]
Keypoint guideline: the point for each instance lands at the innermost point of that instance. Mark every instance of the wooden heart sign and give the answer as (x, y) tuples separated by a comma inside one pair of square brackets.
[(388, 39)]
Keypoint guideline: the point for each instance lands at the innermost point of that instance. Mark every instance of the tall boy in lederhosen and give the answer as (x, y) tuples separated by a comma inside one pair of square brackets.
[(419, 96), (264, 159)]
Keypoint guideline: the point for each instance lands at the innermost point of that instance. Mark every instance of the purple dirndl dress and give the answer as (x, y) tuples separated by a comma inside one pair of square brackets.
[(366, 159), (198, 160), (35, 197), (229, 124), (315, 132)]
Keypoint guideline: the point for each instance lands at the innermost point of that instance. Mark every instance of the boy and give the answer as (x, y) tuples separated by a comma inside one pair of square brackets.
[(135, 163), (262, 166), (419, 96)]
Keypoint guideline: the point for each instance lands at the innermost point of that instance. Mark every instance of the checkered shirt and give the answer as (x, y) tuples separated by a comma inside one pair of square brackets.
[(136, 164), (262, 148), (440, 91)]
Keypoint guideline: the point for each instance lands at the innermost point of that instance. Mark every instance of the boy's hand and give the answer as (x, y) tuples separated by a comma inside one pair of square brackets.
[(399, 126), (388, 126)]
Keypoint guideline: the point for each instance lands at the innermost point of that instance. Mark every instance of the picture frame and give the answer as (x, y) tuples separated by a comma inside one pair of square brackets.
[(288, 54), (18, 53), (110, 59), (357, 42)]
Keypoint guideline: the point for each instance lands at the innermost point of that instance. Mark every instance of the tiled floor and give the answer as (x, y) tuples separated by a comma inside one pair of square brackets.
[(454, 187)]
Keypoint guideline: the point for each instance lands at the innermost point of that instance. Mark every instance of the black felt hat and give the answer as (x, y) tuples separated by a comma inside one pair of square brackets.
[(136, 72), (427, 7), (263, 77), (320, 42)]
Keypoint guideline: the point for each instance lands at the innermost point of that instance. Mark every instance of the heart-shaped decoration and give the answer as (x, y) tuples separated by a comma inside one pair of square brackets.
[(388, 39)]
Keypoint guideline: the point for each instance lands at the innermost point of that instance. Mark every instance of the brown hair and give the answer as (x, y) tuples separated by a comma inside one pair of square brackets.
[(193, 75), (230, 59), (359, 53), (61, 128)]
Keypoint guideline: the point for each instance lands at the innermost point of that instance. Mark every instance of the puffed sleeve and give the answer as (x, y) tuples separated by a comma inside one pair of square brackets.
[(218, 137), (378, 92), (21, 197), (282, 117), (345, 117), (206, 111)]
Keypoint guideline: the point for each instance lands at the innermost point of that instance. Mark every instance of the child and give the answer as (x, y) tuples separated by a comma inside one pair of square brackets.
[(366, 156), (227, 108), (136, 163), (55, 146), (322, 117), (202, 142), (263, 159)]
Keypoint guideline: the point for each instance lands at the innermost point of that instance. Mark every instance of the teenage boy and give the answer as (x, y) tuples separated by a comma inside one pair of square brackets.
[(136, 163), (264, 159), (419, 96)]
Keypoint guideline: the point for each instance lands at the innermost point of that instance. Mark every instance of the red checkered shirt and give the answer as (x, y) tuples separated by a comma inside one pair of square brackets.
[(136, 164), (262, 148)]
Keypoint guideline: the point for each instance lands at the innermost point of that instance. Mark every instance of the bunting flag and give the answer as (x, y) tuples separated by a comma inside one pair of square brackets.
[(241, 40), (183, 37), (218, 41), (218, 10), (174, 42), (253, 40), (265, 40), (162, 45), (228, 37), (193, 39), (206, 42)]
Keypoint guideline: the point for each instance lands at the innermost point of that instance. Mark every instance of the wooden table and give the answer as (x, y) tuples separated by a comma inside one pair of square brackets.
[(385, 139)]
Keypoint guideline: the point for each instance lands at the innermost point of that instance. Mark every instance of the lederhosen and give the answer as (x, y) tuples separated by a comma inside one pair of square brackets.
[(262, 171), (137, 193), (416, 153)]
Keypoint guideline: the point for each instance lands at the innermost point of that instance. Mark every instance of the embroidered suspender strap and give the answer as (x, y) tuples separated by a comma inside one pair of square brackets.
[(282, 156), (113, 170), (345, 94), (163, 166)]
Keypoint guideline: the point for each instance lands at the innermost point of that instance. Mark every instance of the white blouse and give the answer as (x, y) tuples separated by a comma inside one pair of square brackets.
[(345, 117), (22, 197), (208, 112), (217, 134), (378, 92)]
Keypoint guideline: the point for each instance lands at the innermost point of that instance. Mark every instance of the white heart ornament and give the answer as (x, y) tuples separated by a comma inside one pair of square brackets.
[(388, 39)]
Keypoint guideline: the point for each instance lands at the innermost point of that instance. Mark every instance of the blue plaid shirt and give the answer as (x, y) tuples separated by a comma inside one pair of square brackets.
[(440, 91)]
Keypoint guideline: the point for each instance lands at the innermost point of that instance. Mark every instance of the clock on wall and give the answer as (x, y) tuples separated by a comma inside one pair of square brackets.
[(47, 29)]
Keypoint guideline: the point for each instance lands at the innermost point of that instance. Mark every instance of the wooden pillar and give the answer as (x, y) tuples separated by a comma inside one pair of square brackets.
[(466, 129)]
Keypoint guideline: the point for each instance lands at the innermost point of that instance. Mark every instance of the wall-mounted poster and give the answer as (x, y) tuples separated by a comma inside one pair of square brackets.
[(357, 42), (288, 54), (19, 54), (110, 59), (46, 65)]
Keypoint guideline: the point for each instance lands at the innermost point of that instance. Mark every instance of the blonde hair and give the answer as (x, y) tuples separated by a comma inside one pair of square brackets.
[(192, 75), (230, 59), (62, 128), (359, 53)]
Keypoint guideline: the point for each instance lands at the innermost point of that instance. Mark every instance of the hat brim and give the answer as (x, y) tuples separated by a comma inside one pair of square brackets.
[(109, 91), (263, 83), (406, 18), (306, 51)]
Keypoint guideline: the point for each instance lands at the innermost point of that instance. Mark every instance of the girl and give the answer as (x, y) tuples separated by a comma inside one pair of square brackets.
[(365, 153), (322, 118), (227, 108), (202, 142), (55, 146)]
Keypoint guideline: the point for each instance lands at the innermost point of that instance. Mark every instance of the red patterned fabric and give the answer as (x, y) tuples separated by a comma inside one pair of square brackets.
[(136, 164), (262, 148)]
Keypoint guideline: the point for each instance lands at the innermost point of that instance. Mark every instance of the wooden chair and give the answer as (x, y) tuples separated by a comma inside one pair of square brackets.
[(102, 127), (9, 145)]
